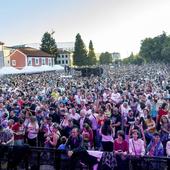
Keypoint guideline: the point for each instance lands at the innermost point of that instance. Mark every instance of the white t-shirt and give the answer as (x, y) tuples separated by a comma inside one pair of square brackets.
[(32, 132), (76, 116), (116, 97)]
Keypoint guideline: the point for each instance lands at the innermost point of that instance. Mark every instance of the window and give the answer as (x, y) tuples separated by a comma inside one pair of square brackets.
[(59, 62), (66, 56), (59, 56), (49, 61), (29, 61), (62, 56), (43, 61), (36, 61), (66, 61), (62, 61), (13, 62)]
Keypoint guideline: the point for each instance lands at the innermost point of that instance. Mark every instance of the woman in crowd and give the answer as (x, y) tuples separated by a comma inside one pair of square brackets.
[(136, 145), (107, 136), (87, 135), (53, 137), (32, 131), (165, 130), (121, 150)]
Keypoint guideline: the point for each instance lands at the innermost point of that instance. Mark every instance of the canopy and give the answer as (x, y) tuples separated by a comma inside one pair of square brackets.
[(30, 69), (9, 70)]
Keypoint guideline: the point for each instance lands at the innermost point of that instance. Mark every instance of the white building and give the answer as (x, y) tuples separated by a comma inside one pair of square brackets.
[(68, 46), (64, 58), (115, 56)]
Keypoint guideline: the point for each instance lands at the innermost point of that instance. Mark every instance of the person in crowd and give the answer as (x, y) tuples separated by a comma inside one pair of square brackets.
[(53, 138), (32, 131), (107, 136), (120, 144), (121, 150), (19, 132), (150, 128), (116, 120), (130, 121), (136, 145), (168, 148), (6, 136), (155, 147), (161, 112), (165, 130), (76, 150), (87, 135)]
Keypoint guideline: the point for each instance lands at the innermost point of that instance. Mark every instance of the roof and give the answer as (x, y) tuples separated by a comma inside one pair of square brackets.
[(61, 51), (32, 52)]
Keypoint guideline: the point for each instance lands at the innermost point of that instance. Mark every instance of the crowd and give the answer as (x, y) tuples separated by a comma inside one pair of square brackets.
[(126, 110)]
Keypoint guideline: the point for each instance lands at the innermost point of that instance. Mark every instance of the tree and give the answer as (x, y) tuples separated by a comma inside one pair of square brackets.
[(151, 48), (133, 59), (91, 55), (49, 45), (166, 54), (80, 52), (105, 58)]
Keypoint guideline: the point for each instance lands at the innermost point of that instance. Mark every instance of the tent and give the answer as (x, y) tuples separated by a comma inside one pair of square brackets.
[(58, 67), (29, 69), (9, 70)]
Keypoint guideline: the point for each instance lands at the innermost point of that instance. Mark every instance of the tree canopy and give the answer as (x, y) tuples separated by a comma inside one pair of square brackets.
[(133, 59), (156, 49), (80, 52), (105, 58), (91, 54), (48, 44)]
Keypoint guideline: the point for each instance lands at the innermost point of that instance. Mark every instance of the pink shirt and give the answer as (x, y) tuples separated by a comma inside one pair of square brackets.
[(136, 147)]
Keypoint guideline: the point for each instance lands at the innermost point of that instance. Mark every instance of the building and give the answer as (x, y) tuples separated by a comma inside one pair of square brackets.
[(7, 51), (1, 55), (27, 56), (64, 57), (115, 56), (68, 46)]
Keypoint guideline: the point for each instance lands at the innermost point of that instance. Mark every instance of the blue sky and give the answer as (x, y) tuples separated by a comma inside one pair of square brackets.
[(112, 25)]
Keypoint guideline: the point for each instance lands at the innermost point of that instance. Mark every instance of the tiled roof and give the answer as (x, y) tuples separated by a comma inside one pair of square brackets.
[(32, 52)]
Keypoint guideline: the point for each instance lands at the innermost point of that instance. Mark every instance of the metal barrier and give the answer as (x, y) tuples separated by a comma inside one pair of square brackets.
[(25, 157)]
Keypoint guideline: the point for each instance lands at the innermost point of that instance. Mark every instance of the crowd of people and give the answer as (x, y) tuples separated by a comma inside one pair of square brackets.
[(125, 111)]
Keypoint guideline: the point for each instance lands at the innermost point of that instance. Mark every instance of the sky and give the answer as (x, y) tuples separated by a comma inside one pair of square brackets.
[(112, 25)]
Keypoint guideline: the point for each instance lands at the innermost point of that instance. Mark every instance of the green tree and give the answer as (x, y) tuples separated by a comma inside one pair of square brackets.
[(91, 55), (133, 59), (151, 48), (49, 45), (166, 54), (105, 58), (80, 52)]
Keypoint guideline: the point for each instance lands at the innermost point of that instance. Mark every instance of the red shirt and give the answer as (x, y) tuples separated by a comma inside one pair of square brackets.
[(161, 112), (18, 128), (121, 146)]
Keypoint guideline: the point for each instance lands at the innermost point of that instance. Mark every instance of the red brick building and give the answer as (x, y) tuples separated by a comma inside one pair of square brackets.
[(27, 56)]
